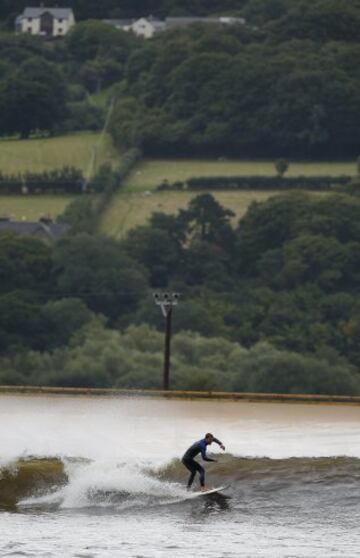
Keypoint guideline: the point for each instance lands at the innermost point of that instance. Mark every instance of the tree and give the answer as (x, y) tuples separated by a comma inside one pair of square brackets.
[(207, 220), (25, 264), (20, 324), (97, 271), (60, 319), (281, 166), (157, 251), (93, 39), (38, 88)]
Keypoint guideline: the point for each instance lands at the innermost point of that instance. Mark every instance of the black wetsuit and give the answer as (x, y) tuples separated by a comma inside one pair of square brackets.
[(193, 466)]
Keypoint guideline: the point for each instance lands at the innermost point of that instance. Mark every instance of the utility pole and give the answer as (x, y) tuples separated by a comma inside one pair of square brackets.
[(167, 301)]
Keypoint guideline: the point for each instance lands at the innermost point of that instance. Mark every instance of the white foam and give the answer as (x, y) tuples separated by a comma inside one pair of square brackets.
[(98, 483)]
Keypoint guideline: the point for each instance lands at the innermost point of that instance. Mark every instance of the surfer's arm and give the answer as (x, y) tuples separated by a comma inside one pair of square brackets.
[(219, 443), (204, 456)]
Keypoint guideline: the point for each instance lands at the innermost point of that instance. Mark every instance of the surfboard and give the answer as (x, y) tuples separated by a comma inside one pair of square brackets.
[(207, 492)]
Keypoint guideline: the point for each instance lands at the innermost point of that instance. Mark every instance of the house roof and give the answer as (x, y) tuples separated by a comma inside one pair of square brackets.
[(119, 22), (183, 21), (53, 231), (59, 13), (179, 21), (157, 24)]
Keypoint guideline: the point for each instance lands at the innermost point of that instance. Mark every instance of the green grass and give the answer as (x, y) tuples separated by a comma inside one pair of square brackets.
[(39, 154), (150, 173), (135, 203), (129, 210), (31, 208)]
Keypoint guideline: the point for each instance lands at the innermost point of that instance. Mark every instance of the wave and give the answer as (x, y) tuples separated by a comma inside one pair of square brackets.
[(80, 483)]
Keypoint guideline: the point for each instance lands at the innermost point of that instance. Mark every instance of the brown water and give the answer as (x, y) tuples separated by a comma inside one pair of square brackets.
[(101, 477)]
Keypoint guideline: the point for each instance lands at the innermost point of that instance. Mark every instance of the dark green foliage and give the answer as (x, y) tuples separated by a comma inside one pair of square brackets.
[(288, 275), (58, 181), (25, 264), (320, 183), (213, 93), (95, 40), (61, 319), (209, 90), (103, 358), (82, 115), (95, 270), (32, 98), (281, 166)]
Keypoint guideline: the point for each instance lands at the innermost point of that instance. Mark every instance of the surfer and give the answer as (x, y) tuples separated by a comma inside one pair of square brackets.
[(193, 466)]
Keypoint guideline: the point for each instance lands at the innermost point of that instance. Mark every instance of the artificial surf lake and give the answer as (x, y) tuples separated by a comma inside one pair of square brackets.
[(101, 477)]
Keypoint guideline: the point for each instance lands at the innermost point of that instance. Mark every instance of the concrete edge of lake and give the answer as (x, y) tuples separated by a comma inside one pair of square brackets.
[(173, 394)]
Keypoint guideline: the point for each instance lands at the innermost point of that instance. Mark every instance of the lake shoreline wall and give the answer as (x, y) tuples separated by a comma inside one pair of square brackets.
[(174, 394)]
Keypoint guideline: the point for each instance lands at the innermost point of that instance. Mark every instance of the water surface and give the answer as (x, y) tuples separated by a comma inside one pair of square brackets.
[(101, 477)]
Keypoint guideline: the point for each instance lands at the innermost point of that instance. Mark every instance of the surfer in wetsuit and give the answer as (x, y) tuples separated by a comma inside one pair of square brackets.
[(193, 466)]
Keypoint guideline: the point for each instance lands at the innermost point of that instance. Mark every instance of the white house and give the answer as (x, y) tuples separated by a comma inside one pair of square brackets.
[(147, 27), (144, 27), (46, 22)]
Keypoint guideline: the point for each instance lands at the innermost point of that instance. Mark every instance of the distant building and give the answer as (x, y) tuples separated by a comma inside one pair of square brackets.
[(45, 229), (147, 27), (46, 22), (176, 22)]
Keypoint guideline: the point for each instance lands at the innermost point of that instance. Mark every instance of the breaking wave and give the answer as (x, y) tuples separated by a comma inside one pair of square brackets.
[(83, 483)]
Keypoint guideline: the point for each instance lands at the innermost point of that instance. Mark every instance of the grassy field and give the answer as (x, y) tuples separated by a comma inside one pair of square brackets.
[(135, 203), (150, 173), (85, 151), (129, 210), (31, 208), (41, 154)]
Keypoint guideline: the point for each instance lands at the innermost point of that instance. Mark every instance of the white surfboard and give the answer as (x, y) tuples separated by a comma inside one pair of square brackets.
[(193, 495), (207, 492)]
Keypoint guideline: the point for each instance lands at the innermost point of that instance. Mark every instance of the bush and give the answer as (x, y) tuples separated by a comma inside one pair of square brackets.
[(82, 115), (58, 181), (100, 357), (321, 183)]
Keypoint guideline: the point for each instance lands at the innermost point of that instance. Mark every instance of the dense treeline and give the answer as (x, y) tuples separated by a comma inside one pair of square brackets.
[(53, 83), (287, 276), (287, 86), (99, 357), (242, 92)]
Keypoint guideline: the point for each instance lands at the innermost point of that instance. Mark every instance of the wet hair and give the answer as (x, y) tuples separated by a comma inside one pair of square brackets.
[(209, 435)]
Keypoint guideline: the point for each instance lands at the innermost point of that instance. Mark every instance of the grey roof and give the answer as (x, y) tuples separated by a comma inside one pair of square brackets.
[(180, 21), (157, 24), (184, 21), (119, 22), (59, 13), (53, 231)]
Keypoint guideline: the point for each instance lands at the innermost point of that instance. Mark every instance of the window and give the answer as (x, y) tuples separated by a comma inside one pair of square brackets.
[(60, 20), (29, 19), (60, 30)]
